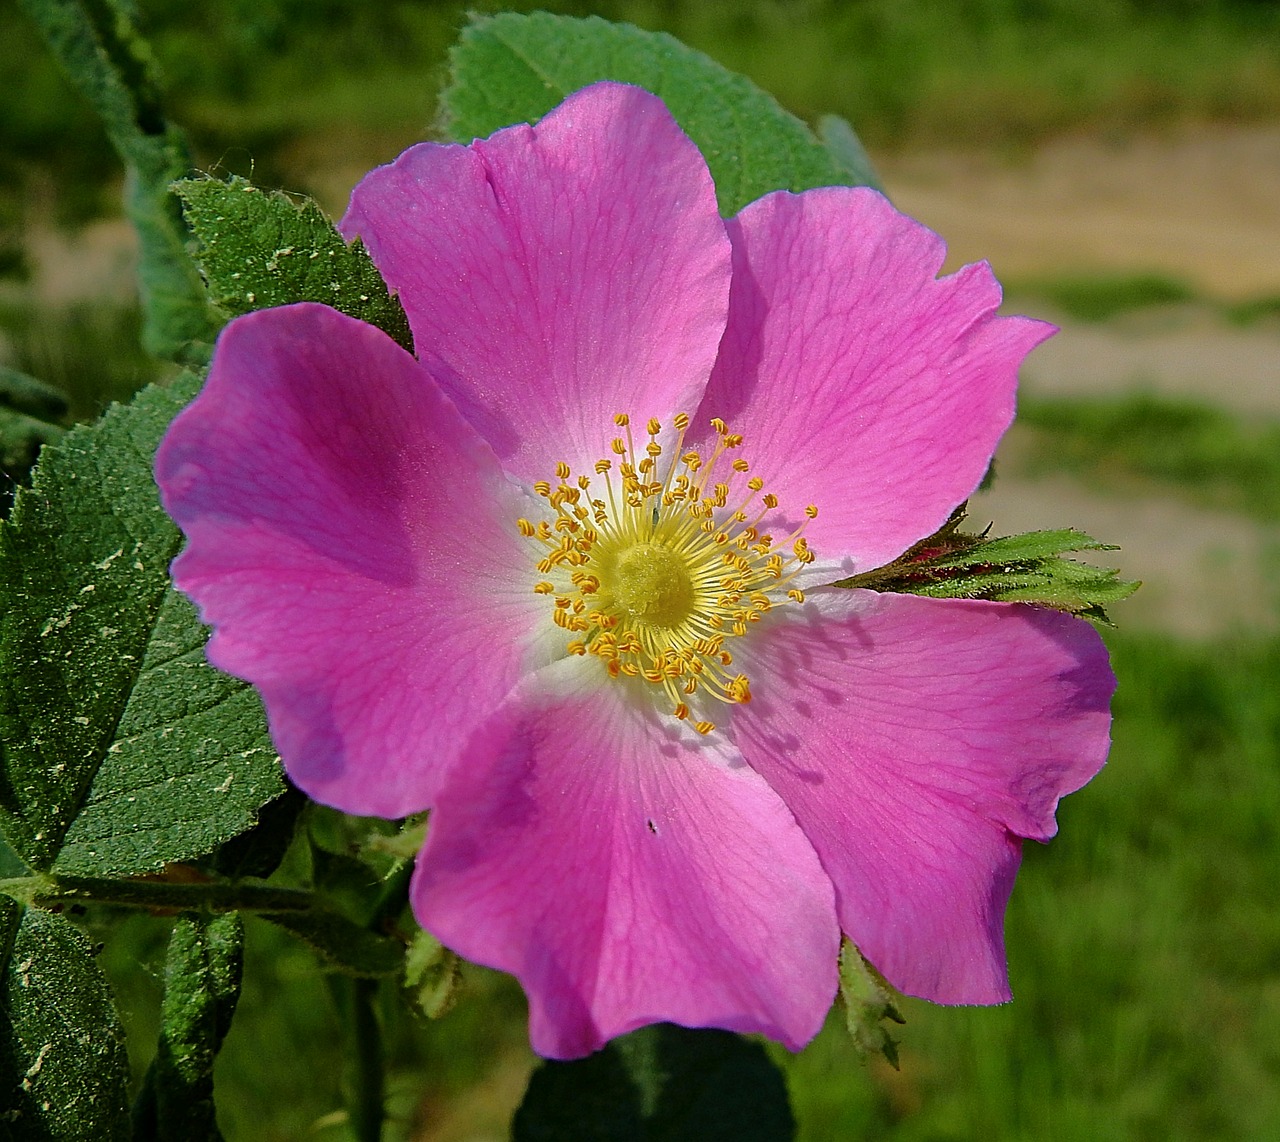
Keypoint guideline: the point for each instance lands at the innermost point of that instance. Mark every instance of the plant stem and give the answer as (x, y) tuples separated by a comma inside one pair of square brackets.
[(45, 891), (366, 1096)]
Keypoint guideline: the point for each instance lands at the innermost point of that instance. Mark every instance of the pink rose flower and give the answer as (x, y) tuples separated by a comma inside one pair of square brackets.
[(560, 579)]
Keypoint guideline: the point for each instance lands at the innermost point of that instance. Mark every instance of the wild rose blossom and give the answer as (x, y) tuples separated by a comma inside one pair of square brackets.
[(560, 579)]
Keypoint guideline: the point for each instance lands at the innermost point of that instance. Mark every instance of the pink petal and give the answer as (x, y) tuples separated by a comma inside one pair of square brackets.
[(556, 275), (353, 543), (627, 871), (916, 740), (861, 382)]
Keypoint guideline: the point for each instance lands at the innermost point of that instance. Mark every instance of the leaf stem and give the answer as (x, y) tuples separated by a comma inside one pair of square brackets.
[(46, 891)]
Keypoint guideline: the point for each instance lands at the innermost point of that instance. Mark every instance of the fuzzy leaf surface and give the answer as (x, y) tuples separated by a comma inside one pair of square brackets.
[(513, 68), (260, 249), (64, 1072), (120, 749), (202, 974)]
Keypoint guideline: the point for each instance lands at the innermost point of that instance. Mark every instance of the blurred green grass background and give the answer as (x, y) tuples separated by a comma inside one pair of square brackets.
[(1145, 941)]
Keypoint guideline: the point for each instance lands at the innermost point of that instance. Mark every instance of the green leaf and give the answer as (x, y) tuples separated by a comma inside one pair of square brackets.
[(846, 148), (1026, 568), (202, 976), (660, 1084), (63, 1067), (260, 851), (102, 54), (26, 408), (120, 748), (868, 1002), (513, 68), (178, 322), (342, 943), (20, 439), (261, 249), (26, 394)]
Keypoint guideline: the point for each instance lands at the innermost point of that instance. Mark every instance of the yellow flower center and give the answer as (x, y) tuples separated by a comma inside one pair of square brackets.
[(659, 575)]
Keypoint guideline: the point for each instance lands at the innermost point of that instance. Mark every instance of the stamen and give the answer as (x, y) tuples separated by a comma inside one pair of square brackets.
[(654, 578)]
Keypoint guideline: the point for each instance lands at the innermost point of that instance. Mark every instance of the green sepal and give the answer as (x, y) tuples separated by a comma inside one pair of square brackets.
[(202, 975), (64, 1072), (432, 975), (1026, 568), (513, 68), (661, 1082), (260, 249), (868, 1002)]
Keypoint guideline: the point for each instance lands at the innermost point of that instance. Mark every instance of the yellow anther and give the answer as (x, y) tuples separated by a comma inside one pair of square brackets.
[(667, 566)]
